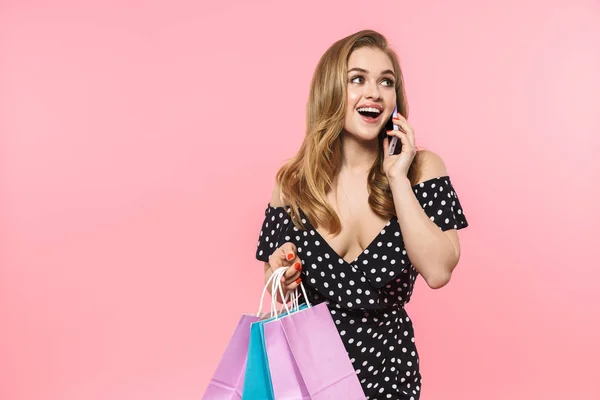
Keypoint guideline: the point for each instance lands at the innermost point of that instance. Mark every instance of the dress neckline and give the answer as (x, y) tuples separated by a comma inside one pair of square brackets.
[(366, 250)]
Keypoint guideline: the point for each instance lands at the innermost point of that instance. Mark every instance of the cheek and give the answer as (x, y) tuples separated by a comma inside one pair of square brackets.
[(390, 96), (353, 99)]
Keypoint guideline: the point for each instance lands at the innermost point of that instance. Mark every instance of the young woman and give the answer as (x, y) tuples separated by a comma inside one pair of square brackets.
[(357, 225)]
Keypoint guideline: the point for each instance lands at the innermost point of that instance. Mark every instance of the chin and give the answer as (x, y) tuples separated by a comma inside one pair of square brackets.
[(364, 135)]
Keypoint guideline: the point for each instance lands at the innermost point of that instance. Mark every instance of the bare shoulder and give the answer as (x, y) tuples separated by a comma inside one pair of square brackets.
[(429, 165), (277, 199)]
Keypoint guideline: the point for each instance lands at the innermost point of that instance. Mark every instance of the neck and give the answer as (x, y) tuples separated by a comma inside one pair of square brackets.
[(357, 156)]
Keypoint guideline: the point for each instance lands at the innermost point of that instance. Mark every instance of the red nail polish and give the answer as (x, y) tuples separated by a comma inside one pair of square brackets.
[(298, 266), (298, 280), (290, 256)]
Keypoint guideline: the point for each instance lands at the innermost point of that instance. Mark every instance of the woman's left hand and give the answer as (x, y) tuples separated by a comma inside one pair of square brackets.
[(396, 166)]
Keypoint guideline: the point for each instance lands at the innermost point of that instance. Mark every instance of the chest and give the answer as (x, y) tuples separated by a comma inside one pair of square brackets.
[(356, 235), (360, 225), (346, 265)]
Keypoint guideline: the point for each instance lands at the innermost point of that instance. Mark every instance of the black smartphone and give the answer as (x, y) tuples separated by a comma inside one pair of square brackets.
[(395, 147)]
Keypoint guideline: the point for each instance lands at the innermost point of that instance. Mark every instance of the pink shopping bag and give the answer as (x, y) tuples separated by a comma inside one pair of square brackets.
[(306, 356), (286, 379), (320, 356), (228, 380)]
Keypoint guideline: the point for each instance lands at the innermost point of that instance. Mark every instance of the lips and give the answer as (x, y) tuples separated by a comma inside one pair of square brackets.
[(370, 113), (370, 119), (371, 105)]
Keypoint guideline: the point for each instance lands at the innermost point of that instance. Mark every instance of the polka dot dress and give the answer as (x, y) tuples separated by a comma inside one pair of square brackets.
[(366, 297)]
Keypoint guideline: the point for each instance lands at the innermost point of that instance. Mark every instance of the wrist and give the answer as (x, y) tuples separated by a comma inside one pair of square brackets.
[(398, 181)]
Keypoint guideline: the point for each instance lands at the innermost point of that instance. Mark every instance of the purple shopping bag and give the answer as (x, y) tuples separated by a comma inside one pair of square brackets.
[(286, 379), (321, 362), (227, 382)]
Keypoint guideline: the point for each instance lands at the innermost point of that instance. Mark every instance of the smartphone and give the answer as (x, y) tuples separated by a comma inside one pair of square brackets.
[(395, 144)]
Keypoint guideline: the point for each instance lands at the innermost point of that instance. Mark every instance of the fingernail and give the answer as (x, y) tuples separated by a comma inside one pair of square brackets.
[(290, 256), (298, 266), (298, 280)]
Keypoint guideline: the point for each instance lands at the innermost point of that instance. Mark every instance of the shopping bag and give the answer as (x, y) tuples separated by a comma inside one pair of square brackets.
[(228, 380), (321, 371), (258, 376), (286, 379), (319, 354), (257, 385)]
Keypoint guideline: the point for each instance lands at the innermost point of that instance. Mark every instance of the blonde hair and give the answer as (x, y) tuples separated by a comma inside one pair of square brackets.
[(307, 177)]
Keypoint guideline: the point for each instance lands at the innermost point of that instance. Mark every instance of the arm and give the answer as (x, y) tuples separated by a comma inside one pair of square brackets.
[(284, 256), (433, 252)]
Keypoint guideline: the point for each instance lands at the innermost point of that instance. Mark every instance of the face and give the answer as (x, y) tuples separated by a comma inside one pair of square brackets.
[(371, 93)]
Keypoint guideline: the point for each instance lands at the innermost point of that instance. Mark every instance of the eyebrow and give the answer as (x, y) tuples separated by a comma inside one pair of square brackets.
[(364, 71)]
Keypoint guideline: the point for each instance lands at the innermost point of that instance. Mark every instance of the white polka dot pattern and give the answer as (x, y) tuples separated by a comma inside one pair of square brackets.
[(366, 297), (441, 204)]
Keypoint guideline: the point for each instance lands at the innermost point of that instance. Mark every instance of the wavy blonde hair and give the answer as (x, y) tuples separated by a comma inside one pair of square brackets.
[(306, 178)]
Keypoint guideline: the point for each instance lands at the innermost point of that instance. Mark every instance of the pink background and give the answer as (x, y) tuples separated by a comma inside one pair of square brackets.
[(139, 143)]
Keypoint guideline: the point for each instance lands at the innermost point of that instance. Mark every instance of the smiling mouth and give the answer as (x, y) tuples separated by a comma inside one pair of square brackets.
[(369, 114)]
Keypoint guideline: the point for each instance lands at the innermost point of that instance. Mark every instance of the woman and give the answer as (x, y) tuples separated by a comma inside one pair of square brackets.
[(357, 225)]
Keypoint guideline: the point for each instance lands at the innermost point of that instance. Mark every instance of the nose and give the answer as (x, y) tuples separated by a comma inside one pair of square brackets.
[(372, 91)]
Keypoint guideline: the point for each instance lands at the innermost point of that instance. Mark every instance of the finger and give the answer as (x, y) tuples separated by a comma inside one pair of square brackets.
[(291, 278), (282, 256), (411, 137), (403, 137), (386, 145), (294, 269), (406, 128), (402, 124), (399, 118), (289, 250), (294, 285), (407, 146), (277, 259), (395, 133)]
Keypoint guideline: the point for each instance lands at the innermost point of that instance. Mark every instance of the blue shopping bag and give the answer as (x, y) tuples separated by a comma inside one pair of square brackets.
[(257, 379)]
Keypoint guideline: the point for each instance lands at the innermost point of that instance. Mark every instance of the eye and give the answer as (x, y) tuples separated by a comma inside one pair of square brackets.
[(357, 79), (388, 82)]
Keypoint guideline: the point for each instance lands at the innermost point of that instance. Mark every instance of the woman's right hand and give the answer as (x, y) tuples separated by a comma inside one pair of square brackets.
[(286, 256)]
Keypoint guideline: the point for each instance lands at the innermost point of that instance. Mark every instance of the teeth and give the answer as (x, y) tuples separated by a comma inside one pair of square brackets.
[(370, 109)]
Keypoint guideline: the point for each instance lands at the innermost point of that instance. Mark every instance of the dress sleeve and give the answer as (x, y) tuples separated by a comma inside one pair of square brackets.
[(441, 204), (276, 222)]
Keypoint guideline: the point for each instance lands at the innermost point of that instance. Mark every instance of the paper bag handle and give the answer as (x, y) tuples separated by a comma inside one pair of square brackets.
[(273, 279), (276, 285)]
